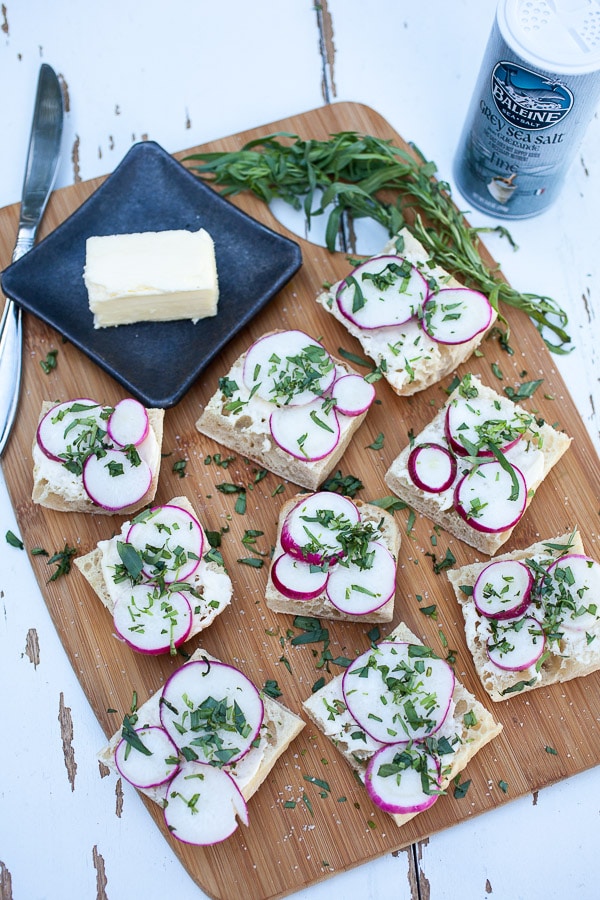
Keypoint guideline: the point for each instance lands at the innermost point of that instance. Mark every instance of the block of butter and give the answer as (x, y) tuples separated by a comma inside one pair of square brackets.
[(151, 276)]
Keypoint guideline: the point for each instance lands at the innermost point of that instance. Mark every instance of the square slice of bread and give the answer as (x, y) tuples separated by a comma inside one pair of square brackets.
[(568, 653), (409, 359), (279, 728), (539, 449), (245, 429), (385, 531), (56, 487), (210, 580), (468, 726)]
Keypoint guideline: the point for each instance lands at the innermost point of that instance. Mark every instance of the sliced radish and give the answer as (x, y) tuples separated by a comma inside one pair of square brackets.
[(503, 589), (297, 579), (352, 394), (113, 481), (397, 691), (488, 499), (309, 432), (474, 421), (358, 591), (403, 778), (212, 710), (311, 529), (203, 805), (572, 587), (128, 423), (170, 541), (66, 423), (383, 291), (432, 467), (288, 368), (456, 315), (148, 758), (152, 621), (515, 644)]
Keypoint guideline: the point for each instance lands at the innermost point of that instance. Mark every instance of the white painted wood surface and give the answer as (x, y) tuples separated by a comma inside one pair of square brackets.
[(182, 73)]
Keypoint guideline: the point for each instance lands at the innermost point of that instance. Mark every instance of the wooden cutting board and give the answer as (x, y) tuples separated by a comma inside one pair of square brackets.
[(289, 847)]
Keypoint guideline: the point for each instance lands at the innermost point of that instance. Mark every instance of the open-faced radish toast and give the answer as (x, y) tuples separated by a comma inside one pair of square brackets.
[(290, 406), (335, 559), (159, 578), (201, 746), (477, 465), (93, 458), (403, 722), (532, 617), (413, 319)]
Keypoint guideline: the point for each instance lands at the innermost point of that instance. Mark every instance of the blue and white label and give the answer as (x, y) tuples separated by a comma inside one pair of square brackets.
[(528, 99)]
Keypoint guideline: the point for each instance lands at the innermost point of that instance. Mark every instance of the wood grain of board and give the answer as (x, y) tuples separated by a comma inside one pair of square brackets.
[(288, 848)]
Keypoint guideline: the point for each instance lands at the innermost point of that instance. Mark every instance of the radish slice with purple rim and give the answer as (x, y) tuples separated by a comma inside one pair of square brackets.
[(398, 691), (212, 710), (456, 315), (351, 588), (489, 499), (503, 589), (384, 291), (309, 432), (147, 757), (472, 422), (432, 467), (114, 480), (65, 423), (128, 423), (515, 644), (151, 621), (403, 778), (170, 541), (311, 529), (288, 368), (353, 395), (572, 588), (203, 805), (297, 579)]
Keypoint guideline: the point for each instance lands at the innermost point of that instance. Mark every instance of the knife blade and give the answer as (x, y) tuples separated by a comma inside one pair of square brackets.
[(40, 172)]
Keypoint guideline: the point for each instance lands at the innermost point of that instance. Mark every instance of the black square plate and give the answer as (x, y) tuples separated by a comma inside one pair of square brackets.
[(157, 362)]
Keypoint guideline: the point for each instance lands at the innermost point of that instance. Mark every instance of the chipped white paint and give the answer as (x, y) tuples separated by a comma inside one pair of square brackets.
[(167, 72)]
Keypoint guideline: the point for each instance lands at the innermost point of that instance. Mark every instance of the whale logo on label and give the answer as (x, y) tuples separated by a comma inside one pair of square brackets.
[(527, 99)]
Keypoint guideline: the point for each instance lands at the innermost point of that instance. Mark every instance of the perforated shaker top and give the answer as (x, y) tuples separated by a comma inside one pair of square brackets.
[(559, 35)]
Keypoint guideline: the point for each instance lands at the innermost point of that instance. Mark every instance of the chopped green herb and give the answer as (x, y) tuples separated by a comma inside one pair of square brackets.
[(271, 689), (503, 785), (179, 467), (14, 541), (347, 485), (524, 391), (551, 750), (49, 363), (461, 788), (377, 443), (253, 561), (62, 559)]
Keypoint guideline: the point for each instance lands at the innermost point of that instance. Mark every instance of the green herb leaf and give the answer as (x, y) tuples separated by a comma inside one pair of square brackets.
[(14, 541)]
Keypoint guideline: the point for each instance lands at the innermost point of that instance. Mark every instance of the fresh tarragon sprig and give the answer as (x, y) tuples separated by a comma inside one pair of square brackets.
[(346, 175)]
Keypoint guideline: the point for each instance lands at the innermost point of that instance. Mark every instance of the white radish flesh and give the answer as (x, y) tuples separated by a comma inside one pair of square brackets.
[(489, 500), (515, 644), (203, 805), (456, 315), (151, 762), (353, 395), (432, 467), (471, 422), (65, 423), (170, 541), (309, 432), (311, 529), (398, 692), (503, 589), (572, 587), (128, 423), (403, 778), (297, 579), (288, 368), (359, 591), (113, 481), (151, 622), (213, 710), (384, 291)]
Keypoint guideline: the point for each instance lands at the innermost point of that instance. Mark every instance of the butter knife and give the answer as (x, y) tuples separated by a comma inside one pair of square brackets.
[(40, 172)]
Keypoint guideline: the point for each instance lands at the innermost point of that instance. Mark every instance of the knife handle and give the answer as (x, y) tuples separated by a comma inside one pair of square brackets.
[(11, 343)]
